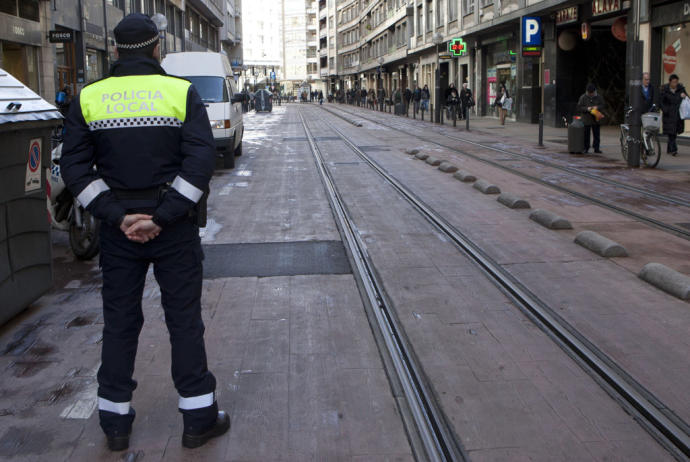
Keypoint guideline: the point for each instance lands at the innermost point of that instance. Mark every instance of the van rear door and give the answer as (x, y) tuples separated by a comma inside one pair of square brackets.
[(214, 95)]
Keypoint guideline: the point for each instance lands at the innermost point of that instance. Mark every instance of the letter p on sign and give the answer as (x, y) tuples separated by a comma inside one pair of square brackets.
[(531, 31)]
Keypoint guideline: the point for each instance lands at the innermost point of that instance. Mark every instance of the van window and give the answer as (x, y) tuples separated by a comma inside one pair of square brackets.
[(211, 89)]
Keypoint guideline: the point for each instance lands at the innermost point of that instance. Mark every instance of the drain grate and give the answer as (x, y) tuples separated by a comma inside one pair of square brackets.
[(374, 148), (275, 259), (327, 138)]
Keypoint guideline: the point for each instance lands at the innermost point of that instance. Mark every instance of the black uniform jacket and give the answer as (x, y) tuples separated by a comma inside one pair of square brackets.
[(139, 155)]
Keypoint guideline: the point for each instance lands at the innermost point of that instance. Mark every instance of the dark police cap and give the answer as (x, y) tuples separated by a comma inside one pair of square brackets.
[(135, 31), (591, 88)]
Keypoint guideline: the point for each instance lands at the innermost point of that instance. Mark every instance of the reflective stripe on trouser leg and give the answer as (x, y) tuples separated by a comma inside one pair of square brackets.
[(110, 406), (196, 402)]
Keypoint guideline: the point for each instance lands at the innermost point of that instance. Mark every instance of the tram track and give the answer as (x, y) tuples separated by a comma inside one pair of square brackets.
[(659, 224), (666, 427)]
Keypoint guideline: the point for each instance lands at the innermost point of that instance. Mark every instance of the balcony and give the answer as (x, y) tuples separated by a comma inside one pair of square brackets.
[(323, 52), (324, 73), (312, 43), (323, 12)]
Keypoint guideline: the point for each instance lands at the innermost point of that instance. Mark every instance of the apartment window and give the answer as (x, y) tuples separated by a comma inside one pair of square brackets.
[(468, 6), (28, 9), (484, 3), (117, 3), (429, 15), (452, 10), (439, 13), (160, 6), (420, 20)]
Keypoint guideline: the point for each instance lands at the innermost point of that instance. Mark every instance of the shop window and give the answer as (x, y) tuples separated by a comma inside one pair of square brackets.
[(94, 65), (8, 6)]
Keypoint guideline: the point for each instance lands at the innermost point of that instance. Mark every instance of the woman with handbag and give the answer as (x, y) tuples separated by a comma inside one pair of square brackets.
[(672, 95)]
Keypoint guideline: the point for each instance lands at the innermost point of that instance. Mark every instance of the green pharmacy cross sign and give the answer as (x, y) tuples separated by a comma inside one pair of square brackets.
[(458, 47)]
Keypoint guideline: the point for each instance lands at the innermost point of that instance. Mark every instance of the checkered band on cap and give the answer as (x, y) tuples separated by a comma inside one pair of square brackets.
[(134, 46), (135, 122)]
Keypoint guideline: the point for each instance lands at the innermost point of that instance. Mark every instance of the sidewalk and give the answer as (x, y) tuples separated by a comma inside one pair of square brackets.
[(556, 139)]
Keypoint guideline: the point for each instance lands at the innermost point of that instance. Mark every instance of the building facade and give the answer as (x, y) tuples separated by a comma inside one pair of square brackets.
[(51, 45), (262, 45), (393, 44)]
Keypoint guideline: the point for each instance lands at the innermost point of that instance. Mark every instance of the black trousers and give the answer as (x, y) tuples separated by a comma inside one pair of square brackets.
[(177, 257), (672, 146), (596, 132)]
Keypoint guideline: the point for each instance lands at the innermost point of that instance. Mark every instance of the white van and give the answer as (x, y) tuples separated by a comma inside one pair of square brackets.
[(212, 77)]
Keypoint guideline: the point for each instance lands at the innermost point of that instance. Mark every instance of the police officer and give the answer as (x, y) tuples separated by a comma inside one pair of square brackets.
[(149, 138)]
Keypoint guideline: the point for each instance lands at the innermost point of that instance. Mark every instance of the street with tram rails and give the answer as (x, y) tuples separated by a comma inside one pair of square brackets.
[(366, 299)]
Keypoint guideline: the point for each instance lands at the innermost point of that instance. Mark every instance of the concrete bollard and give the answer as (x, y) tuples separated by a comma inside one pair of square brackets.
[(667, 279), (433, 161), (465, 177), (550, 220), (512, 201), (447, 167), (411, 151), (486, 187), (600, 245), (421, 156)]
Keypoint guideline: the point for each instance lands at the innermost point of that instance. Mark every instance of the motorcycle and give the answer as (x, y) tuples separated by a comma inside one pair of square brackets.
[(66, 214)]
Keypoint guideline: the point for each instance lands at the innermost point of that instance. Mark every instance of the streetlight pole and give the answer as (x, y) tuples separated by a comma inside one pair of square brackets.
[(379, 85), (634, 89), (437, 38)]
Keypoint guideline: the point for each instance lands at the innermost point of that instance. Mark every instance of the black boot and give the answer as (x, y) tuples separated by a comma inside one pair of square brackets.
[(118, 442), (117, 428), (222, 425)]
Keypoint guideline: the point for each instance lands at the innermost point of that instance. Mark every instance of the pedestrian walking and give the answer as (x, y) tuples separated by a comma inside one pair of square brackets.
[(398, 101), (382, 97), (154, 156), (425, 98), (320, 98), (363, 97), (416, 98), (407, 97), (672, 95), (503, 102), (591, 106), (466, 100), (372, 98), (452, 101)]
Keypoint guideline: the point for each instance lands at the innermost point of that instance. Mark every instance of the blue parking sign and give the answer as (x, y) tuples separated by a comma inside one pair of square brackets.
[(531, 31)]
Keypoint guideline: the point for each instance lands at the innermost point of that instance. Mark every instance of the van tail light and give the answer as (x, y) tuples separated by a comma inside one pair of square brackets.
[(227, 123)]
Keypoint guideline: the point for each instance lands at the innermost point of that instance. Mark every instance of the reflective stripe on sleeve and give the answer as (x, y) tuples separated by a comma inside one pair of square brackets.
[(187, 189), (92, 191), (197, 402), (110, 406)]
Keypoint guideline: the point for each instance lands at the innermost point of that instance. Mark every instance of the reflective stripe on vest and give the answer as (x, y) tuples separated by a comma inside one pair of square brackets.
[(135, 100)]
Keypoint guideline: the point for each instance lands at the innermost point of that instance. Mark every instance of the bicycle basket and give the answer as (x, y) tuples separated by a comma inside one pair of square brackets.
[(651, 121)]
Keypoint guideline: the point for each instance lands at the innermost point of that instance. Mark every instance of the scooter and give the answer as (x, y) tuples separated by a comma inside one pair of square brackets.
[(66, 214)]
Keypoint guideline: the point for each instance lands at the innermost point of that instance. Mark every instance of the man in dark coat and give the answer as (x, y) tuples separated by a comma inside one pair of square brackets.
[(466, 99), (649, 95), (407, 97), (588, 102), (672, 95), (417, 98)]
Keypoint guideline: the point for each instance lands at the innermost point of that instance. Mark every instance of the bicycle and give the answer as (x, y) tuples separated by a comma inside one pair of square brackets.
[(650, 149)]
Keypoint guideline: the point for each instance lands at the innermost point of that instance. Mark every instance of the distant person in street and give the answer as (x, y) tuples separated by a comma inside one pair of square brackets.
[(466, 100), (63, 99), (672, 95), (407, 97), (500, 103), (416, 98), (425, 98), (147, 189), (452, 100), (397, 101), (363, 97), (320, 98), (372, 98), (382, 97), (649, 95), (590, 106)]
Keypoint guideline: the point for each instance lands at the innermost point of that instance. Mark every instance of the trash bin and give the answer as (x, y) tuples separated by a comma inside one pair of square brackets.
[(576, 136), (26, 124)]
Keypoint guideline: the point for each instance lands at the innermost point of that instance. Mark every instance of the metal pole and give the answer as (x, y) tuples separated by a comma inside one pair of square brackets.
[(635, 94), (541, 129), (467, 119), (437, 97)]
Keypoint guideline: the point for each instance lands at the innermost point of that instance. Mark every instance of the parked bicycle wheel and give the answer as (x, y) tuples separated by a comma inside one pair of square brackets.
[(624, 145), (652, 155)]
